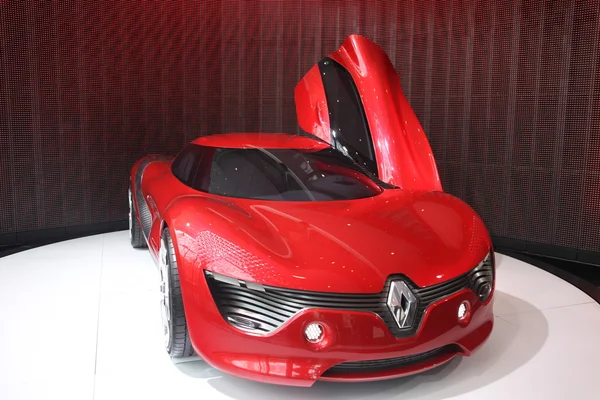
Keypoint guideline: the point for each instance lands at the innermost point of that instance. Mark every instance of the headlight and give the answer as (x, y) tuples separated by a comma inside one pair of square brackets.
[(482, 278)]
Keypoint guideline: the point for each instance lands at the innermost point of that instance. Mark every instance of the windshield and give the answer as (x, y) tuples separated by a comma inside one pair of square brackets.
[(273, 174)]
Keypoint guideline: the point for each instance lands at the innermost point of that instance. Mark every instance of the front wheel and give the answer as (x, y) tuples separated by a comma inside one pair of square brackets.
[(175, 332)]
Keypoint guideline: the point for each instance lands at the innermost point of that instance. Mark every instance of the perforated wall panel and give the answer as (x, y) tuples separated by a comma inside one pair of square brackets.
[(508, 92)]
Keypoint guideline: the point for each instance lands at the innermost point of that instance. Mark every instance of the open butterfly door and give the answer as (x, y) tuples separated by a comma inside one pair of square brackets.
[(353, 100)]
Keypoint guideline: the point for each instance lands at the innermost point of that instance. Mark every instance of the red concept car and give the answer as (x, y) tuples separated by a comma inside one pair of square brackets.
[(333, 255)]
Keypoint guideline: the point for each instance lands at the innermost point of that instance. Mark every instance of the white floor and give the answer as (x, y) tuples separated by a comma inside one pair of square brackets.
[(81, 320)]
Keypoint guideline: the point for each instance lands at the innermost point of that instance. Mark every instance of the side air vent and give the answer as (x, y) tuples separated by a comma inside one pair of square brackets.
[(144, 212)]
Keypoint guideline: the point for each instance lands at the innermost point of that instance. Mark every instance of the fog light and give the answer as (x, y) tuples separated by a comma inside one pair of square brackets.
[(484, 292), (314, 332), (464, 312)]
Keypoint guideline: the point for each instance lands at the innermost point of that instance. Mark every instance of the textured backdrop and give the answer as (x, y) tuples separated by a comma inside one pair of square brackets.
[(508, 92)]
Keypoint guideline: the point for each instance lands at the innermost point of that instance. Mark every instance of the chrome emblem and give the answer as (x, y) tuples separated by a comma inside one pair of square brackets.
[(402, 304)]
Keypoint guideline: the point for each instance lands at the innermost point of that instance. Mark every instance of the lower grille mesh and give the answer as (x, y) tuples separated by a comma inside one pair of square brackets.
[(268, 308), (389, 363)]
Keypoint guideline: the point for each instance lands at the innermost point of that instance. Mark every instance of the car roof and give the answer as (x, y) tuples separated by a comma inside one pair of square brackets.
[(261, 140)]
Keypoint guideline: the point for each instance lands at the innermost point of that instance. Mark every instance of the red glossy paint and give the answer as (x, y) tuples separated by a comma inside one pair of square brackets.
[(311, 105), (404, 156), (338, 246), (334, 246), (260, 140)]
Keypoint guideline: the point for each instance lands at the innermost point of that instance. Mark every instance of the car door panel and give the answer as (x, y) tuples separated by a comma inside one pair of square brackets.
[(357, 106)]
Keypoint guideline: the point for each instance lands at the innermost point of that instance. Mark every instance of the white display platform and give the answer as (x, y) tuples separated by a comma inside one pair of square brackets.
[(81, 320)]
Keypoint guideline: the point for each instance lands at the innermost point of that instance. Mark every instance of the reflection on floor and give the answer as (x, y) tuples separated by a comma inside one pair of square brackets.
[(81, 320)]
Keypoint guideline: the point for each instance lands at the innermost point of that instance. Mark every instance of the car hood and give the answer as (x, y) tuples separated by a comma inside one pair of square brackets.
[(338, 246)]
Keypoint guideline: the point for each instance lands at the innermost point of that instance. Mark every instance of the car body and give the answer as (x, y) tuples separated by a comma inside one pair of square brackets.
[(333, 255)]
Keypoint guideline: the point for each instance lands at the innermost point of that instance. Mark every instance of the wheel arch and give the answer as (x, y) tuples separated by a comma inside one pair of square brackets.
[(164, 225)]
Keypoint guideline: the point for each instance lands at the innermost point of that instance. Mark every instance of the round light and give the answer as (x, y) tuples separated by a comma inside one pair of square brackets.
[(314, 332), (484, 292), (464, 313)]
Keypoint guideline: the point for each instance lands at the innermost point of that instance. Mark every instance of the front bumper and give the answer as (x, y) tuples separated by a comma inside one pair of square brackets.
[(285, 357)]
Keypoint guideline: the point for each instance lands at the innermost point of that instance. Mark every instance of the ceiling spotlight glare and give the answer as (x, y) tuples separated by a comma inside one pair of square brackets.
[(314, 332)]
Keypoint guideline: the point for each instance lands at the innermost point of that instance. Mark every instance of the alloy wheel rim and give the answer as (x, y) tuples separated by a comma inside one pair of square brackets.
[(165, 292)]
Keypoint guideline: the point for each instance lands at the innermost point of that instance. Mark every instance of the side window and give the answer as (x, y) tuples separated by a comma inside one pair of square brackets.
[(350, 132), (186, 164)]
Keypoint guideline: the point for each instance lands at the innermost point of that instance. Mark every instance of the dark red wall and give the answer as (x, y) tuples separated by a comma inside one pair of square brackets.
[(508, 92)]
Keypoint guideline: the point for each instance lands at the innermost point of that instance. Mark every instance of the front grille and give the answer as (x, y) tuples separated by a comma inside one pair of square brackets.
[(389, 363), (264, 308), (271, 308)]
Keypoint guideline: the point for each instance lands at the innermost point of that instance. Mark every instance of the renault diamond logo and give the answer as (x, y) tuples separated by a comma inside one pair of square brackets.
[(402, 304)]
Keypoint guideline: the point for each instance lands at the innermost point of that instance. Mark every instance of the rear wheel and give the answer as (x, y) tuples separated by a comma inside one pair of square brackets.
[(135, 231), (175, 332)]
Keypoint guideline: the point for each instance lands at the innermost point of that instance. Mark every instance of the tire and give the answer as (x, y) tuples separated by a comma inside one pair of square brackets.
[(135, 231), (175, 332)]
